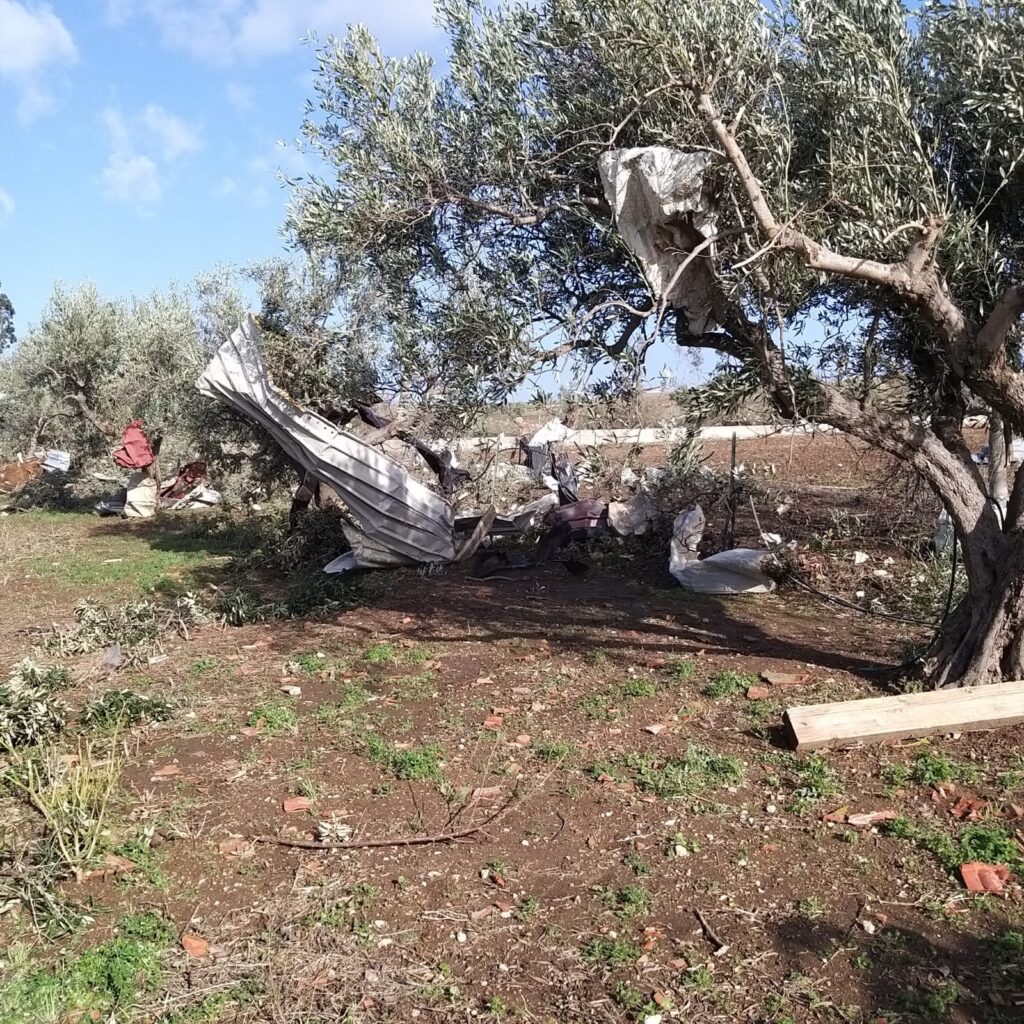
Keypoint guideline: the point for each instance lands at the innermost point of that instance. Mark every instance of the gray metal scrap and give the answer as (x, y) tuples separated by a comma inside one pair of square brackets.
[(397, 519)]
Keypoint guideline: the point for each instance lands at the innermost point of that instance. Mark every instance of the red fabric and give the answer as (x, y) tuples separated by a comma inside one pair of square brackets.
[(134, 452), (190, 475)]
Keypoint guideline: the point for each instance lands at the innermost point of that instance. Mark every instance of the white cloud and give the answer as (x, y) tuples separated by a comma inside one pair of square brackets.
[(141, 147), (227, 186), (33, 43), (224, 31), (6, 206), (132, 178), (175, 136)]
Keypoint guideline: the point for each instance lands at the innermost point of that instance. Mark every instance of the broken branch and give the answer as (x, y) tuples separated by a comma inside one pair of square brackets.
[(365, 844)]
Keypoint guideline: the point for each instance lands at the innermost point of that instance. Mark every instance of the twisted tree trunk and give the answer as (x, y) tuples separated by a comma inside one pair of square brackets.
[(982, 641)]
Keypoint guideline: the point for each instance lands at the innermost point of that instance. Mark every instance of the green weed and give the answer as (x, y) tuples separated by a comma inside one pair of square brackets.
[(637, 686), (683, 670), (117, 709), (628, 902), (608, 952), (695, 770), (552, 750), (728, 684), (381, 654), (274, 717), (415, 763)]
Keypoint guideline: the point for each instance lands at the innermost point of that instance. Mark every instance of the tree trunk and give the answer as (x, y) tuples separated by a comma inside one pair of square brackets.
[(982, 641), (998, 463)]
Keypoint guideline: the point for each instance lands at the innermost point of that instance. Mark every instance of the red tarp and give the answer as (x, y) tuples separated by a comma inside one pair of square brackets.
[(191, 474), (134, 452)]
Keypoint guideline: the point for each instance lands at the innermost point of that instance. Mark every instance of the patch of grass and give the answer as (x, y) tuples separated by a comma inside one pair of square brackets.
[(628, 902), (202, 665), (274, 717), (598, 707), (412, 686), (816, 780), (931, 767), (630, 999), (149, 863), (552, 750), (728, 684), (415, 763), (693, 771), (105, 981), (699, 977), (632, 860), (982, 841), (307, 663), (145, 567), (497, 1007), (683, 670), (381, 654), (527, 908), (595, 656), (117, 709), (811, 907), (610, 953), (637, 686)]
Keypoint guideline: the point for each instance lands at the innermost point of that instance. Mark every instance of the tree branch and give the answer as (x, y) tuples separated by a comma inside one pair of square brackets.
[(1002, 318), (103, 426), (915, 278), (516, 219)]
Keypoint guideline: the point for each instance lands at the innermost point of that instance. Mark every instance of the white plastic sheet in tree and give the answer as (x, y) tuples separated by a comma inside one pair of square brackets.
[(663, 209), (398, 520)]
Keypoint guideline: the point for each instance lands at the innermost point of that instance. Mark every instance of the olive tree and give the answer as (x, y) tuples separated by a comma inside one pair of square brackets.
[(866, 171)]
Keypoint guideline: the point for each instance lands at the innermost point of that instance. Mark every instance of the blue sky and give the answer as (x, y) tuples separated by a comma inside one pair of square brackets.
[(140, 137)]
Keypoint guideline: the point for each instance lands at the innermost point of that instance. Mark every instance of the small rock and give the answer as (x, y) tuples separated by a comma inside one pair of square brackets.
[(292, 691)]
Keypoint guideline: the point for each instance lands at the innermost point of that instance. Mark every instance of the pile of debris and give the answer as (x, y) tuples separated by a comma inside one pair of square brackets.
[(143, 494), (16, 476)]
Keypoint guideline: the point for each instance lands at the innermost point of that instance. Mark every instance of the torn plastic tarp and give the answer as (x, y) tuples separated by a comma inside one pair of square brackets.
[(738, 571), (135, 451), (397, 519), (634, 517), (664, 208)]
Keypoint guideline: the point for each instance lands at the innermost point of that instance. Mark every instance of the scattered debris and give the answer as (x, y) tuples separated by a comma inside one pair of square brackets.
[(194, 945), (979, 877)]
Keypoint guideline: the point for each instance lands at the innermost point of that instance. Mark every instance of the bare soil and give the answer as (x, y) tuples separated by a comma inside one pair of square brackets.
[(597, 894)]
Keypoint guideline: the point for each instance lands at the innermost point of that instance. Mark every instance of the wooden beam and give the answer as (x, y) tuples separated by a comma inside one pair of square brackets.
[(970, 709)]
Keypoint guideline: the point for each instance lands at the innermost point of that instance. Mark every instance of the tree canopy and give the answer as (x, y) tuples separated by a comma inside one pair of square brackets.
[(7, 337), (472, 199), (865, 164)]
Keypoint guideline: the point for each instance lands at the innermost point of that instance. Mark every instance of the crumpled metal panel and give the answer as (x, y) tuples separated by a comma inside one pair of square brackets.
[(400, 520), (663, 209)]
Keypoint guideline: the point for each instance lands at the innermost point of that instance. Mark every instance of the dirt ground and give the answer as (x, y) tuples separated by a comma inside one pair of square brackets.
[(635, 841)]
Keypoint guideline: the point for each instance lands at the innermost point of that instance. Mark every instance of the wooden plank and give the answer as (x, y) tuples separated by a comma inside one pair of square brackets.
[(476, 538), (909, 714)]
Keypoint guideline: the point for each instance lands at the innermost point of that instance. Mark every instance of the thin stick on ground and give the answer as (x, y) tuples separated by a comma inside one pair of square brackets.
[(710, 933), (364, 844)]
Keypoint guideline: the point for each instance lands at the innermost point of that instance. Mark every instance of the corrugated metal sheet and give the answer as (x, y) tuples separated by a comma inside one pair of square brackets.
[(400, 519)]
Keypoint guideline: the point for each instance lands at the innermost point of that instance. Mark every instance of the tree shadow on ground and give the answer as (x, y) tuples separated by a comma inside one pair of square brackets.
[(627, 611), (974, 973)]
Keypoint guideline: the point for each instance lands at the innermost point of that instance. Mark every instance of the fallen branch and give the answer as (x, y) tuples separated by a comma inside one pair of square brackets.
[(365, 844), (710, 933)]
